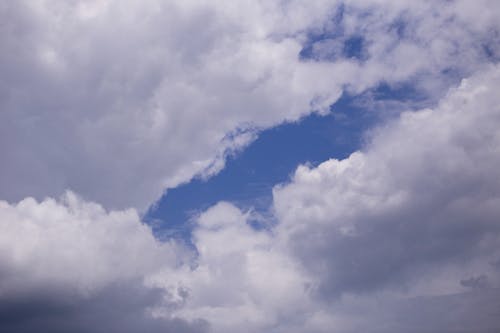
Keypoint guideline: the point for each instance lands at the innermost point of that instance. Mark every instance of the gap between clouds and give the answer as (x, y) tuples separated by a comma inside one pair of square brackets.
[(365, 243), (121, 100)]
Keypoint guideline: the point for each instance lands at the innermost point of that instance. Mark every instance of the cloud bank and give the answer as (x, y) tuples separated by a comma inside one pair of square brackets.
[(120, 100), (402, 236), (387, 240)]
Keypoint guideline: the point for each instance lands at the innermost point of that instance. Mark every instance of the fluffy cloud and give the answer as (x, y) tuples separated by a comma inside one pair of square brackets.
[(387, 240), (119, 100), (241, 281), (413, 214), (71, 266)]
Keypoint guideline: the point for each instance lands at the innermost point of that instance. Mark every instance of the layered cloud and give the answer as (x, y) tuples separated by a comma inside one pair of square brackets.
[(119, 100)]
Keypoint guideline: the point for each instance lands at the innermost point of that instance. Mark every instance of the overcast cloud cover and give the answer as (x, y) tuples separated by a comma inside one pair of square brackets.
[(104, 105)]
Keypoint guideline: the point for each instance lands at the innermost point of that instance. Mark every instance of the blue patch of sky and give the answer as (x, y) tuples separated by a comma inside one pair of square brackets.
[(331, 48), (331, 42), (248, 177), (354, 47), (330, 32)]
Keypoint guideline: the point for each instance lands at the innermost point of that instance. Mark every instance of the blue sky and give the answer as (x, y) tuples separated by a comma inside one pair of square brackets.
[(249, 176), (323, 166)]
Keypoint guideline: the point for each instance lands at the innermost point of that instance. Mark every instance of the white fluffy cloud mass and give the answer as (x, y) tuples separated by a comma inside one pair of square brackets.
[(120, 100), (66, 265), (414, 214), (387, 240)]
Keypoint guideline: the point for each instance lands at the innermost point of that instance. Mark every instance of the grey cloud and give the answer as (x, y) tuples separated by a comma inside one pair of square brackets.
[(71, 266), (119, 100), (120, 307), (423, 195), (394, 253), (464, 312), (480, 281)]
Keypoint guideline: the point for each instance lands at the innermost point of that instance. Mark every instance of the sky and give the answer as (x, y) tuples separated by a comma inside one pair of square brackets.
[(249, 166)]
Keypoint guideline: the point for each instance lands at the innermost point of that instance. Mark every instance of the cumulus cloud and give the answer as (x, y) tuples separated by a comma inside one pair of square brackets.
[(69, 265), (241, 280), (387, 240), (415, 213), (402, 236), (119, 100)]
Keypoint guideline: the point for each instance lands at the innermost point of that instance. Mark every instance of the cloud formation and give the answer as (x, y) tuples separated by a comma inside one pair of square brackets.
[(119, 100), (415, 213), (70, 265), (402, 236), (241, 280)]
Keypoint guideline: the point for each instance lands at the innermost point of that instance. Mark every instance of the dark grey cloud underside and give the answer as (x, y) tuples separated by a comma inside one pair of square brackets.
[(476, 311), (118, 308), (408, 243)]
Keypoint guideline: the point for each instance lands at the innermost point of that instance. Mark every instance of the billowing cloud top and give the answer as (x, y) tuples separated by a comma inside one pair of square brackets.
[(118, 101)]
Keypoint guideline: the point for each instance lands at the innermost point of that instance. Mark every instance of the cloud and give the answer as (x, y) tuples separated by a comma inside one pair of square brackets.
[(119, 100), (241, 281), (69, 265), (118, 307), (399, 237), (119, 119), (387, 240), (413, 214)]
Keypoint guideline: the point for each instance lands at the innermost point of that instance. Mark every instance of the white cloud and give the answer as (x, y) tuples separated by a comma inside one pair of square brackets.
[(387, 240), (242, 281), (413, 214), (74, 243), (380, 242), (73, 257), (119, 100)]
